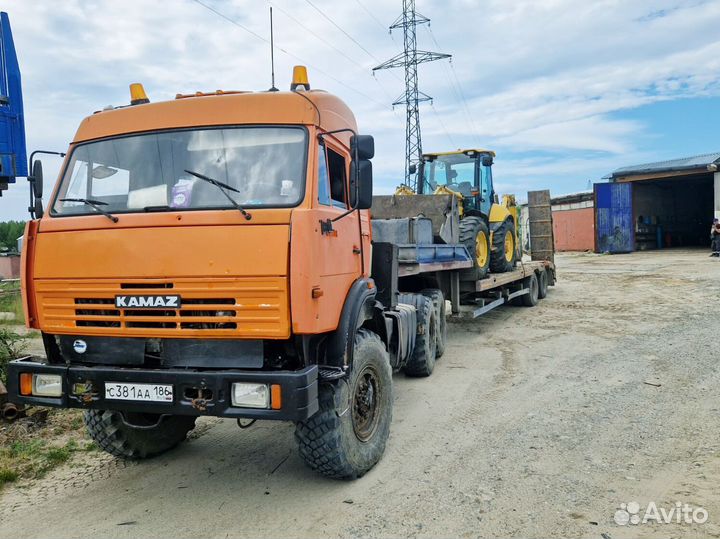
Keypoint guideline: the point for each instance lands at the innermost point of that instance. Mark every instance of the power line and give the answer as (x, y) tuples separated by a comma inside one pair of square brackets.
[(457, 88), (326, 42), (336, 25), (371, 14), (442, 124), (315, 68)]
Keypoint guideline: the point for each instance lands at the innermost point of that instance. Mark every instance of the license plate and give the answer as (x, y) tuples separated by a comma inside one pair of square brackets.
[(138, 392)]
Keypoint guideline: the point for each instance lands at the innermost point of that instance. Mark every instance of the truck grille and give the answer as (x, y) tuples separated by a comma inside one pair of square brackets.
[(238, 307)]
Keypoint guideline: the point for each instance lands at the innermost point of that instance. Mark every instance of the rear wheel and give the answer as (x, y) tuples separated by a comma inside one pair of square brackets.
[(504, 251), (422, 359), (474, 235), (134, 435), (531, 298), (438, 299), (542, 284), (347, 436)]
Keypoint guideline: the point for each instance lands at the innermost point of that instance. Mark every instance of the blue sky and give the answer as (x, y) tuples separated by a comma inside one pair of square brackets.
[(564, 91)]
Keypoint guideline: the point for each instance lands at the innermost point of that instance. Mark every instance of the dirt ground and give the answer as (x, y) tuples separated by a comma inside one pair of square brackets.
[(536, 422)]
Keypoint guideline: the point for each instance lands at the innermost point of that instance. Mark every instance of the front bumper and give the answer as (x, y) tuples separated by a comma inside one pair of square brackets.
[(299, 390)]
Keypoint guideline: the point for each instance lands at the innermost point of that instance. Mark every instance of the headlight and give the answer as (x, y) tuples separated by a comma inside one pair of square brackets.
[(246, 395), (47, 385)]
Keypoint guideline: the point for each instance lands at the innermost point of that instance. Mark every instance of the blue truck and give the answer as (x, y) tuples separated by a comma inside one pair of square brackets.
[(13, 152)]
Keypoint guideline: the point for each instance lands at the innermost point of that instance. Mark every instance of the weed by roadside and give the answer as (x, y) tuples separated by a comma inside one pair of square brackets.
[(12, 346), (45, 439), (11, 302)]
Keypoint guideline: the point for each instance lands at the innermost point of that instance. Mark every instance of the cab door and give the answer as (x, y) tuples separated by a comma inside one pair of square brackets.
[(325, 254), (486, 195)]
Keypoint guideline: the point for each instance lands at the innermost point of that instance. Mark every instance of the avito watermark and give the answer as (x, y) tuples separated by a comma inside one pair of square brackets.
[(680, 513)]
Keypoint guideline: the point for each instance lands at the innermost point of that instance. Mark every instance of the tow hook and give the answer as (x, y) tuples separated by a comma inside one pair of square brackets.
[(200, 403)]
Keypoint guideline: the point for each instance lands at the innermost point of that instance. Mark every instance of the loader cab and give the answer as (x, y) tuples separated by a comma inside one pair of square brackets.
[(467, 172)]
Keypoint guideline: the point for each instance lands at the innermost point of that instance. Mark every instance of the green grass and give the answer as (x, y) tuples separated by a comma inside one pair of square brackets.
[(7, 476), (30, 452), (12, 303)]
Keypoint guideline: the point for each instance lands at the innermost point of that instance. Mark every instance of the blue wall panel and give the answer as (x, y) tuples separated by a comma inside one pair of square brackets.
[(614, 218)]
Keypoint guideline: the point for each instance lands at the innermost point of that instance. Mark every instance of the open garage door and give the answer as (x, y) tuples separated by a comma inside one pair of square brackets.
[(673, 212), (614, 230)]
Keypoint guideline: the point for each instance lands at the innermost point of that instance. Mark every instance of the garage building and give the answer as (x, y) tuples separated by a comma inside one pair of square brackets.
[(658, 205)]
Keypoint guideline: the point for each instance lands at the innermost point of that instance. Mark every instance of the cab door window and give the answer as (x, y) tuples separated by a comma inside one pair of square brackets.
[(323, 178), (338, 179)]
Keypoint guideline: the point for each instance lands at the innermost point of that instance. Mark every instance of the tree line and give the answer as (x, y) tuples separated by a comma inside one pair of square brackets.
[(10, 231)]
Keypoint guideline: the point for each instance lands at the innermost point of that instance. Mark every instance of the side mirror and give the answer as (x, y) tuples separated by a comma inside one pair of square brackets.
[(364, 145), (37, 181), (38, 208), (36, 191), (361, 184), (486, 160)]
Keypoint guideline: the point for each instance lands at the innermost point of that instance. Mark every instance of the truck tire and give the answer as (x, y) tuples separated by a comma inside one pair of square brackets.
[(504, 251), (438, 300), (531, 298), (542, 284), (475, 236), (136, 436), (422, 359), (347, 436)]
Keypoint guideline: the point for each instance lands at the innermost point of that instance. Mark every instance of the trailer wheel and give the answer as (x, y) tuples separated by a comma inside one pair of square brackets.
[(475, 236), (347, 436), (438, 299), (136, 436), (504, 251), (542, 284), (531, 298), (422, 359)]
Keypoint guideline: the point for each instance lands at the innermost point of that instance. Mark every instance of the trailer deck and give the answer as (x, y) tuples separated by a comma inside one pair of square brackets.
[(494, 290)]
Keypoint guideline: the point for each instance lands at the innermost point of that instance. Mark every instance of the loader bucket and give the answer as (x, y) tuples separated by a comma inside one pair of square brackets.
[(442, 210)]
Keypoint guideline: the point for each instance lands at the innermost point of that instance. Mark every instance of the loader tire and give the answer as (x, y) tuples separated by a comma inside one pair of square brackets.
[(346, 437), (503, 256), (542, 284), (422, 358), (135, 436), (475, 236), (438, 300)]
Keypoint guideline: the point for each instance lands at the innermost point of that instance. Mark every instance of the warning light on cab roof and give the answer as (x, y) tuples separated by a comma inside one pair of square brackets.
[(137, 94)]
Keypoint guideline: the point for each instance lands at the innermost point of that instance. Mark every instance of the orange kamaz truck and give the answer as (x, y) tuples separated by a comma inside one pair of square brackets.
[(213, 255)]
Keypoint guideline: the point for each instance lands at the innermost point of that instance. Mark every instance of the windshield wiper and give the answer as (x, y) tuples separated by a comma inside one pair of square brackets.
[(95, 204), (222, 186)]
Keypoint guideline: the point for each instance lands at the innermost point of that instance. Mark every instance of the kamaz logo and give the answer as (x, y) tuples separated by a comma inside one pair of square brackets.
[(147, 302)]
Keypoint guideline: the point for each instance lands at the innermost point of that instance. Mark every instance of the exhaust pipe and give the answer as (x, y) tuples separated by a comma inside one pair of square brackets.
[(11, 412)]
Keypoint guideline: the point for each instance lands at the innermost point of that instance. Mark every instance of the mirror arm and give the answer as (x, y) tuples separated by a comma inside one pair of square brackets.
[(45, 152)]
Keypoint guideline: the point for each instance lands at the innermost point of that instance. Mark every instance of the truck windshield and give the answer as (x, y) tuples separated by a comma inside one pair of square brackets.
[(266, 165)]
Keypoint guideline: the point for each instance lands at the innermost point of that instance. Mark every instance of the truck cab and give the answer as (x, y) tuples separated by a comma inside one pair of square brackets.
[(207, 255)]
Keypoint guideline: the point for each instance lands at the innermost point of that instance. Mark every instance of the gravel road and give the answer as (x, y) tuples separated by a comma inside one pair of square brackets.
[(536, 422)]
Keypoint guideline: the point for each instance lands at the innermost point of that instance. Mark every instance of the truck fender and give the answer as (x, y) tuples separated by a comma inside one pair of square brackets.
[(358, 308)]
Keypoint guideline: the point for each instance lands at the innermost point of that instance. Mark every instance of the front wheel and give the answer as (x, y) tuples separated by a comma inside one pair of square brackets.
[(503, 256), (347, 436), (134, 435)]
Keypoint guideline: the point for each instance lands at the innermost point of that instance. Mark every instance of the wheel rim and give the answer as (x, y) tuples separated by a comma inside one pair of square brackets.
[(365, 406), (509, 246), (481, 249)]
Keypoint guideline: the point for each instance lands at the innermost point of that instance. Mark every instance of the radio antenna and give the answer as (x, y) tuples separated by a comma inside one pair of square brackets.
[(272, 55)]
